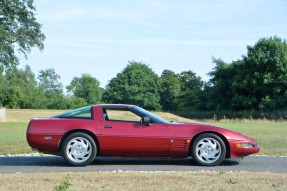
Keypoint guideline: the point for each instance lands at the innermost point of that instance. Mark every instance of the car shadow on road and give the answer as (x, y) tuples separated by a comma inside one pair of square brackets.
[(154, 161), (32, 161), (56, 161)]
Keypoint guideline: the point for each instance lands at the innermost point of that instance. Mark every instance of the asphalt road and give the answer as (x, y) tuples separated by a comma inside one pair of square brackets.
[(31, 164)]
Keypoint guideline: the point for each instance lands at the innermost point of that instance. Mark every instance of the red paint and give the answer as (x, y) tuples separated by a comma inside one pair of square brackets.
[(130, 139)]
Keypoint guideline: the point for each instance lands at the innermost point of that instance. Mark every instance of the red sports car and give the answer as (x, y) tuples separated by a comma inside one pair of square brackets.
[(129, 131)]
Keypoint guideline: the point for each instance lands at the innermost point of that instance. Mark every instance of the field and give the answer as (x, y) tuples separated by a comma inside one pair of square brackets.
[(155, 181), (271, 137), (24, 115)]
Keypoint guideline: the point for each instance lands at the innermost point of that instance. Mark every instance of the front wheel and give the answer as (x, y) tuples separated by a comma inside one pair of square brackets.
[(79, 149), (208, 149)]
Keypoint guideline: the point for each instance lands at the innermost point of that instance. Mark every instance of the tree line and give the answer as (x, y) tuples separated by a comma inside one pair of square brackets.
[(19, 88), (254, 84), (251, 86)]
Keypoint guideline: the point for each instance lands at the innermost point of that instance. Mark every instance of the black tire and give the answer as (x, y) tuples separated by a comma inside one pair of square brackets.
[(79, 149), (208, 149)]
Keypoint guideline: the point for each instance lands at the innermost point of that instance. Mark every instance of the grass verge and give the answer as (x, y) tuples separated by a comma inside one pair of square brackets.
[(145, 181), (270, 135), (13, 138)]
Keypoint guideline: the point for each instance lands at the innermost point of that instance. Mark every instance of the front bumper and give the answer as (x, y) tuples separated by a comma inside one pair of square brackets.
[(241, 148)]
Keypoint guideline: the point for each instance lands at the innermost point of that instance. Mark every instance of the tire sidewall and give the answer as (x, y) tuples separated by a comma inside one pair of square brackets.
[(93, 145), (208, 135)]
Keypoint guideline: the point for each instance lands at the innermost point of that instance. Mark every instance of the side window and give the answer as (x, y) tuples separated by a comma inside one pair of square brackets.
[(81, 113), (122, 114)]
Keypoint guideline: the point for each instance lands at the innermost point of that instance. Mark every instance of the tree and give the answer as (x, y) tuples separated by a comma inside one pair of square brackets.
[(49, 81), (169, 89), (267, 72), (190, 91), (256, 82), (3, 87), (86, 87), (76, 102), (53, 89), (21, 89), (218, 91), (136, 84), (19, 30)]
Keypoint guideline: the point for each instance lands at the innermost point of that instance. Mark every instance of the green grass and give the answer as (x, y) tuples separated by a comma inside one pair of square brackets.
[(271, 136), (13, 138)]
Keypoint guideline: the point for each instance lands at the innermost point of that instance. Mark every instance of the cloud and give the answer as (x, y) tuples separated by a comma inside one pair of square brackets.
[(92, 13), (78, 42), (65, 15)]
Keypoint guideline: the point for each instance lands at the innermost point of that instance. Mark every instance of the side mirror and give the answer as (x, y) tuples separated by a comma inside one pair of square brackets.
[(146, 121)]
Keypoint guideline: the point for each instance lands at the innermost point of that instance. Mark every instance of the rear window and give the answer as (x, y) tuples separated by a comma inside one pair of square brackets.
[(81, 113)]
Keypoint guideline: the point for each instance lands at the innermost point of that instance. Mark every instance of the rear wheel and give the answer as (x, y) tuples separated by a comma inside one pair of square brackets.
[(79, 149), (208, 149)]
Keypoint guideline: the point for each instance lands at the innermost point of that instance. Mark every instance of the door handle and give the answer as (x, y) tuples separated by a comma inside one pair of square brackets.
[(108, 126)]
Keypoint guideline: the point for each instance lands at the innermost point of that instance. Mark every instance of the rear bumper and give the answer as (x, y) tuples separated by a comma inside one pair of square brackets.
[(44, 143)]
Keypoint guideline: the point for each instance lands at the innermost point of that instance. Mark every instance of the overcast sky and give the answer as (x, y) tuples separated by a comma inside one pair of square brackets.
[(100, 37)]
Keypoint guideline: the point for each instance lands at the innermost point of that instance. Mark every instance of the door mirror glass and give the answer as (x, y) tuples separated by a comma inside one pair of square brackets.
[(146, 121)]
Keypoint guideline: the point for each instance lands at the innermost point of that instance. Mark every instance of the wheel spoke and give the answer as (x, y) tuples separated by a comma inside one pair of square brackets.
[(79, 149), (208, 150)]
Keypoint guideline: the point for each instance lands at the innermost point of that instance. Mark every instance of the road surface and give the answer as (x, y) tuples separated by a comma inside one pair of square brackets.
[(31, 164)]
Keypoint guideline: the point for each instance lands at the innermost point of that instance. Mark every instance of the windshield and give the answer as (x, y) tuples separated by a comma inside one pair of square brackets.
[(144, 113), (81, 113)]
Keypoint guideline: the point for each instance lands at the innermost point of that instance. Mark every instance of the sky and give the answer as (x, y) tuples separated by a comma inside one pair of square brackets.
[(100, 37)]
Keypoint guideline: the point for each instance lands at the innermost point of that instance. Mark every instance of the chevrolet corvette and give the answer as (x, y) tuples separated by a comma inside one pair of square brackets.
[(120, 130)]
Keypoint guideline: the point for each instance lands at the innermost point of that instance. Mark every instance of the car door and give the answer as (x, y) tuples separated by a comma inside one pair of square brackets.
[(122, 134)]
